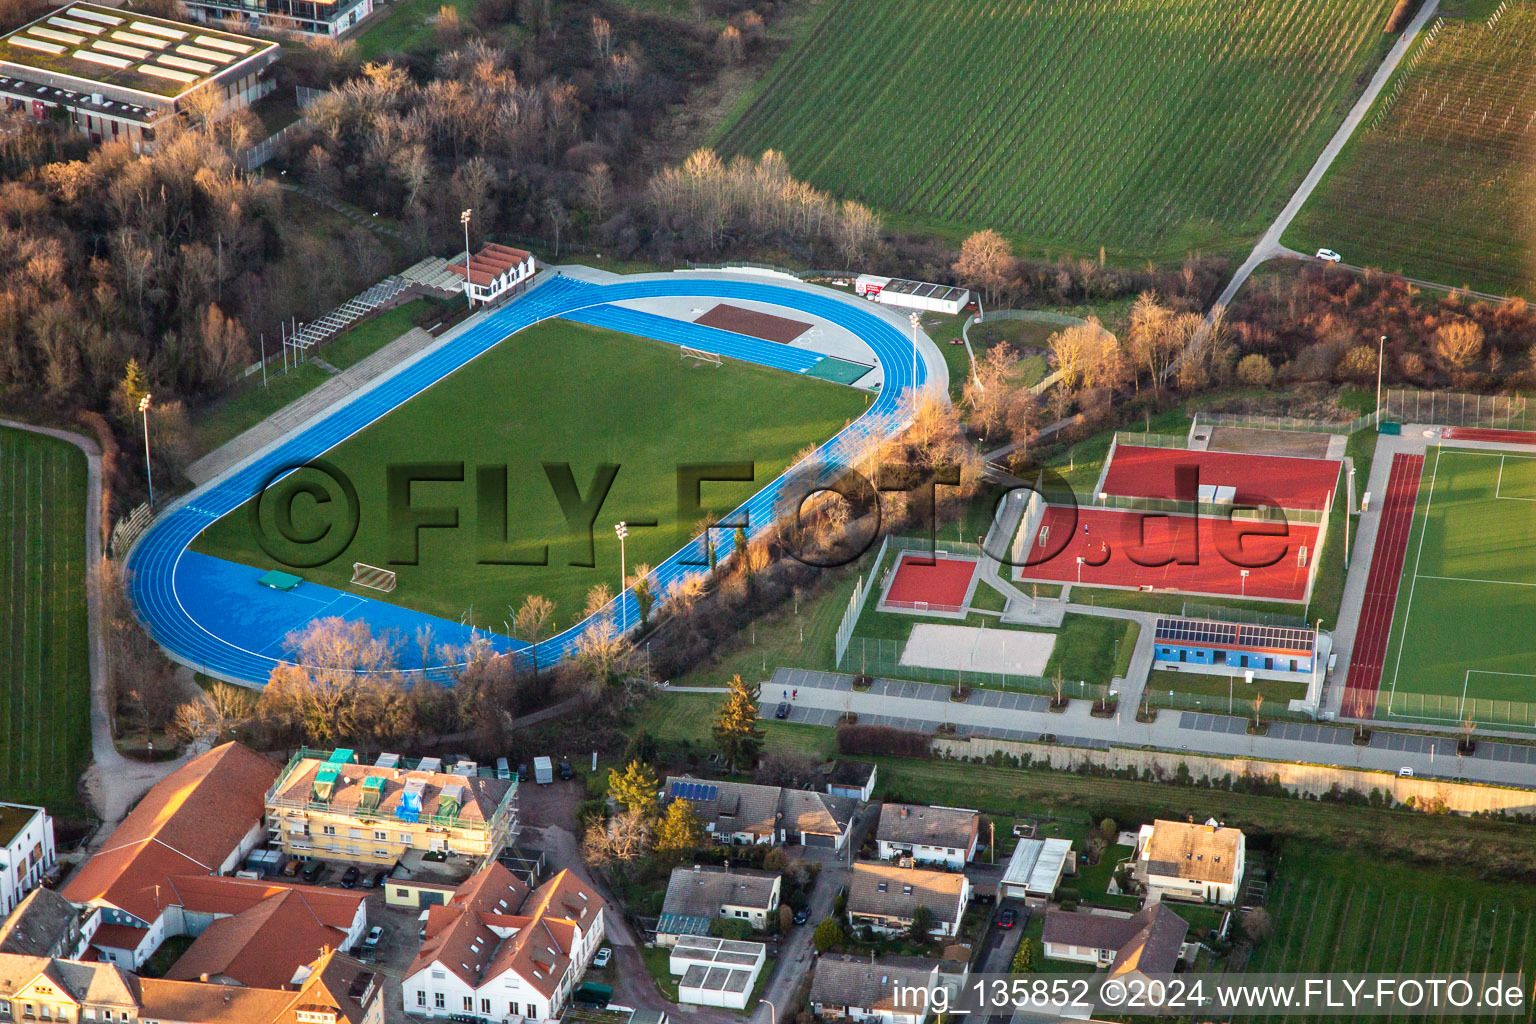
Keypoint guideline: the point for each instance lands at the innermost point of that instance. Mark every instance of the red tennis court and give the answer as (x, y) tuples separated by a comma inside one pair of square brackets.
[(1176, 473), (1197, 556), (1492, 434), (921, 579)]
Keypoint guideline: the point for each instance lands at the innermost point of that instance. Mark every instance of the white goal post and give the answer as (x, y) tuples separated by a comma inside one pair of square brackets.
[(701, 357), (373, 577)]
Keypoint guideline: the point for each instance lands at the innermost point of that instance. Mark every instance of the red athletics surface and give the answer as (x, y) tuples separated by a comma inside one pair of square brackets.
[(1488, 434), (936, 581), (1375, 625), (1260, 479), (1115, 547)]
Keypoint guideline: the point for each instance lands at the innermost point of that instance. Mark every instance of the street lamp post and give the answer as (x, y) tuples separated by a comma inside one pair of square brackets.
[(1080, 561), (1381, 349), (622, 529), (1244, 574), (468, 294), (148, 468)]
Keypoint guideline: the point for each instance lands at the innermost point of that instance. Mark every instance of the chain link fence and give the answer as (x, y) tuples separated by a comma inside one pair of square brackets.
[(1459, 409), (1442, 709), (1238, 705), (1296, 423)]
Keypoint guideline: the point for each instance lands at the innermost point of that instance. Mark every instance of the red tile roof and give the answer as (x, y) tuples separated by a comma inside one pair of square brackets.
[(490, 262), (494, 924), (265, 945), (187, 824), (119, 936)]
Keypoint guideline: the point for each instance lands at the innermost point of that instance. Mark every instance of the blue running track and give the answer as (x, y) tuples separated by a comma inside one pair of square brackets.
[(211, 614)]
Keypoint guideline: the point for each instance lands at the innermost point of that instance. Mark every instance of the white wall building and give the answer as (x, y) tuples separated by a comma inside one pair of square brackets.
[(1035, 869), (886, 898), (716, 972), (1182, 861), (945, 836), (27, 855), (500, 952)]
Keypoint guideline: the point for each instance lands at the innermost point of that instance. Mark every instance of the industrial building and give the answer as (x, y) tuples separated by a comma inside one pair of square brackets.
[(115, 75)]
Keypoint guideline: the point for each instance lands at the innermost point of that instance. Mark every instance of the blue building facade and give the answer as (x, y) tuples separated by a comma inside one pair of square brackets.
[(1236, 645)]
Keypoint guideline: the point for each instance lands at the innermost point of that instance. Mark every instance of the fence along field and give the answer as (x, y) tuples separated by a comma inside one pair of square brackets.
[(1150, 127), (1461, 113), (44, 661)]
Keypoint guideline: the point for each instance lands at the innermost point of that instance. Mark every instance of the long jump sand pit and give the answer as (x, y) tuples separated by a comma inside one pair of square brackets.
[(1003, 651)]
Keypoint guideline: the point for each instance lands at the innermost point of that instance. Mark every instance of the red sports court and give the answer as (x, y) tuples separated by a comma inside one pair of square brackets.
[(1273, 480), (923, 580), (1204, 555), (1176, 550)]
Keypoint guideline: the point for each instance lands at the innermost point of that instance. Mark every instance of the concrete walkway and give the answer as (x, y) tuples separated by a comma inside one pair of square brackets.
[(823, 696), (1269, 245), (304, 408)]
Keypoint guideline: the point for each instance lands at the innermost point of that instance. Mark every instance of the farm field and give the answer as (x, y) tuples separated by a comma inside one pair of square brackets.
[(1460, 645), (1461, 111), (1149, 127), (1330, 916), (44, 646), (560, 392)]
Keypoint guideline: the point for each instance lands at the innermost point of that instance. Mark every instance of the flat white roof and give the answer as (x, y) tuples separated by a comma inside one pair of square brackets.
[(1037, 864)]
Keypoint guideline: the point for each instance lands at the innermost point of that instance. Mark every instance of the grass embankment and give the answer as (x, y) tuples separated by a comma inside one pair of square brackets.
[(45, 681)]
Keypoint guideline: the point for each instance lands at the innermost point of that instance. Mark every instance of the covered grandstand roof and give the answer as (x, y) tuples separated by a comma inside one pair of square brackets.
[(490, 262)]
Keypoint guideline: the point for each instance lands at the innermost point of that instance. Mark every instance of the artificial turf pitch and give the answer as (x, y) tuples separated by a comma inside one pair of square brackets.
[(557, 393), (1461, 646), (45, 679)]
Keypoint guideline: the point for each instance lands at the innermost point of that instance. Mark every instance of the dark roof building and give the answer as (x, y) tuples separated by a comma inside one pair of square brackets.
[(1150, 941)]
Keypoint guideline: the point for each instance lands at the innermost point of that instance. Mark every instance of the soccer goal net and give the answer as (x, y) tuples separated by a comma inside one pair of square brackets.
[(372, 577), (698, 357)]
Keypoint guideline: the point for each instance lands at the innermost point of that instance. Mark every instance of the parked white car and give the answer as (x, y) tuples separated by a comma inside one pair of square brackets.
[(1329, 255), (601, 959)]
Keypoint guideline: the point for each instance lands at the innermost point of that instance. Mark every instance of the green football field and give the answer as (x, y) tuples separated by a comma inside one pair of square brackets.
[(560, 393), (1148, 127), (45, 679), (1462, 645)]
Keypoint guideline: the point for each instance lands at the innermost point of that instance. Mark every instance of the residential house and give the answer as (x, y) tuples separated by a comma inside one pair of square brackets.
[(715, 971), (862, 989), (744, 814), (1151, 941), (27, 855), (47, 924), (852, 780), (885, 897), (334, 989), (202, 819), (499, 952), (326, 805), (700, 895), (929, 835), (1184, 861)]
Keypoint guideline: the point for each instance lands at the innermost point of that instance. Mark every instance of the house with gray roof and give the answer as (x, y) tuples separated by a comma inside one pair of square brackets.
[(929, 835), (744, 814), (47, 924), (698, 896), (1150, 941), (885, 898), (862, 989)]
